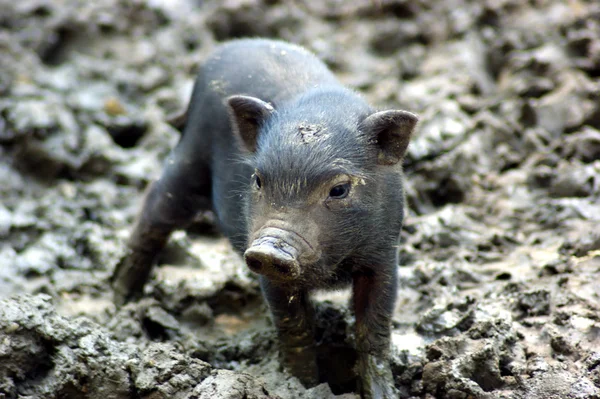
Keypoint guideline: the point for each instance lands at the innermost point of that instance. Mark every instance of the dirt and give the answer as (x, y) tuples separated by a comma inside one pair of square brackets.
[(500, 259)]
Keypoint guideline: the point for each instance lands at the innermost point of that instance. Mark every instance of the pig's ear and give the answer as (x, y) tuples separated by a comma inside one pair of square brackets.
[(247, 114), (391, 130)]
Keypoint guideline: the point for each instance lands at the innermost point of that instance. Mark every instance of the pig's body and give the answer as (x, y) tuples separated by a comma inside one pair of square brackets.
[(305, 180)]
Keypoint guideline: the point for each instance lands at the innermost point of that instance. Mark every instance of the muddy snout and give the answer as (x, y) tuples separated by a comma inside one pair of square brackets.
[(276, 254)]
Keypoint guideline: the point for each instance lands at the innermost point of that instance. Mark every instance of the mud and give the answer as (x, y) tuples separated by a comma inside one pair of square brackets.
[(500, 260)]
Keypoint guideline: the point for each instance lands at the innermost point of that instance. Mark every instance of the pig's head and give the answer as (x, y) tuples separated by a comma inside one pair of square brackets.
[(322, 166)]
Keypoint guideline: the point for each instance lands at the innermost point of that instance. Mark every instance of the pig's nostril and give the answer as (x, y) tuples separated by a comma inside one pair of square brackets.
[(254, 264), (281, 267)]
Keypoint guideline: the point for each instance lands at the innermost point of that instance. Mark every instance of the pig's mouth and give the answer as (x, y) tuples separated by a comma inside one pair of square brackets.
[(279, 254)]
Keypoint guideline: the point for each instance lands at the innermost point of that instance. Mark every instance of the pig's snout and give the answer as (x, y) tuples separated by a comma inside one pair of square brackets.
[(272, 262), (274, 256)]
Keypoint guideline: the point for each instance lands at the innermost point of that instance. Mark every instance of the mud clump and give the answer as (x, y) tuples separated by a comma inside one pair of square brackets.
[(47, 355)]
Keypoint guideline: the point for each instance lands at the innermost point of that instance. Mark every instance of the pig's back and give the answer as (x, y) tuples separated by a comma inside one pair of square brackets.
[(273, 71)]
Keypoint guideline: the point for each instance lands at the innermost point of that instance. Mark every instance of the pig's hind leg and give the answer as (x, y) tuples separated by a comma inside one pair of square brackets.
[(293, 316), (170, 203)]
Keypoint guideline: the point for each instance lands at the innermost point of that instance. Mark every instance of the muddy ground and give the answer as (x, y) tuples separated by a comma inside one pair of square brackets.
[(500, 261)]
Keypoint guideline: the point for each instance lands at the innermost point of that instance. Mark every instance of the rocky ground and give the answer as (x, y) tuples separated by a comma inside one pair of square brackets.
[(500, 262)]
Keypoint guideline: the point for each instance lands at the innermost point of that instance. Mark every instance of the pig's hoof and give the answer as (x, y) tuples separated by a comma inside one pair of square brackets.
[(375, 378), (129, 276), (301, 362), (310, 380)]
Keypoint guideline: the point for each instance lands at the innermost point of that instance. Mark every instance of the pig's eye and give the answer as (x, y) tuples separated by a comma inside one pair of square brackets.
[(257, 181), (340, 191)]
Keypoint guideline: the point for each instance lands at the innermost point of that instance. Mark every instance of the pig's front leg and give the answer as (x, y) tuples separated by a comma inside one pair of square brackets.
[(293, 316), (374, 299)]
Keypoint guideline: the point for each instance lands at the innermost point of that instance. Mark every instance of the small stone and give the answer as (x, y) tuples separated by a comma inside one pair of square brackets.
[(113, 107)]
